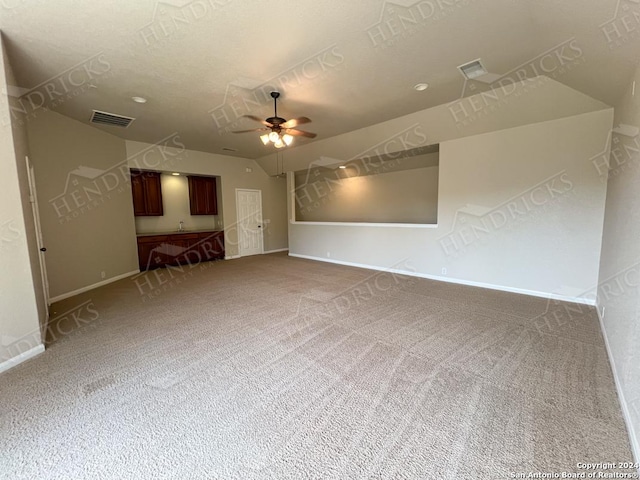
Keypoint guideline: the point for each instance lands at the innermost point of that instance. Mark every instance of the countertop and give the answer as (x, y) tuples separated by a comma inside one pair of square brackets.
[(176, 232)]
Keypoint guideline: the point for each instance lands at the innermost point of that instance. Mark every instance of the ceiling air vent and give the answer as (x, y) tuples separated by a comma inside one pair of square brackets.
[(473, 70), (105, 118), (227, 149)]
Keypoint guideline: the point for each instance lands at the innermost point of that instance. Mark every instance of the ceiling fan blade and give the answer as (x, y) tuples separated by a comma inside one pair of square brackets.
[(257, 119), (252, 130), (299, 133), (294, 122)]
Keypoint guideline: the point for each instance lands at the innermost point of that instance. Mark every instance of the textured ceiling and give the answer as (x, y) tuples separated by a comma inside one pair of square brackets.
[(203, 64)]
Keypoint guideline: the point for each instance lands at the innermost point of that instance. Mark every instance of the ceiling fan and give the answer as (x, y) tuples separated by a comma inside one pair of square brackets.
[(281, 131)]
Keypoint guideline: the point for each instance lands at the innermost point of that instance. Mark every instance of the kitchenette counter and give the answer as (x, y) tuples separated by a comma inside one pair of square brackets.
[(176, 232)]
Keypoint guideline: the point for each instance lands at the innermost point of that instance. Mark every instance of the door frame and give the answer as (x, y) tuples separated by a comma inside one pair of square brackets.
[(261, 219), (33, 200)]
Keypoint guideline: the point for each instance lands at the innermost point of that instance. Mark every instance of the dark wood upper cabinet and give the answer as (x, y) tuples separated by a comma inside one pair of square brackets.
[(147, 193), (202, 195), (137, 189)]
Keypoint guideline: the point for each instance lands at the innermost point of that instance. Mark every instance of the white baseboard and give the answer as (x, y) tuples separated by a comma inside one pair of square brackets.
[(91, 287), (23, 357), (522, 291), (232, 257), (276, 251), (633, 436)]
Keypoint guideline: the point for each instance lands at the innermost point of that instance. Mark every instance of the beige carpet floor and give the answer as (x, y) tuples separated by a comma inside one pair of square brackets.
[(273, 367)]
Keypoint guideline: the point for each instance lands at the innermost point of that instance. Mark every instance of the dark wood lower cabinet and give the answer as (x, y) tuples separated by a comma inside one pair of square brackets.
[(149, 252), (156, 251)]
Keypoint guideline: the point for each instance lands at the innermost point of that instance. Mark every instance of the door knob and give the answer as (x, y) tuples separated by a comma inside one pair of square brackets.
[(43, 249)]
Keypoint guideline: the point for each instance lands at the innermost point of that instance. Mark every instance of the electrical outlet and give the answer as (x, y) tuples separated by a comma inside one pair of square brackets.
[(602, 314), (103, 274), (328, 254), (444, 270)]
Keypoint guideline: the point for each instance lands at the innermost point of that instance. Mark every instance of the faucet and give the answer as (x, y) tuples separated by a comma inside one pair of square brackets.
[(181, 226)]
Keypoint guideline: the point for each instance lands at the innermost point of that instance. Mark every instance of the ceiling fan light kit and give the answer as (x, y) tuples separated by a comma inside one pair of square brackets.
[(281, 131)]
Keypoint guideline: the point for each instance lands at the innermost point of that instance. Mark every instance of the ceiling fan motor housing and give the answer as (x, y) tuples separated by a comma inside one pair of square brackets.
[(276, 120)]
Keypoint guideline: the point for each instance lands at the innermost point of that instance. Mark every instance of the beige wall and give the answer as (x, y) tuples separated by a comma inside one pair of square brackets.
[(518, 209), (85, 202), (21, 296), (619, 282), (175, 200), (233, 174), (406, 196)]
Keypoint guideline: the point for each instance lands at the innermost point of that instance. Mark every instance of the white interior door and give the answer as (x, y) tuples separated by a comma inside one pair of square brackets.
[(33, 199), (249, 206)]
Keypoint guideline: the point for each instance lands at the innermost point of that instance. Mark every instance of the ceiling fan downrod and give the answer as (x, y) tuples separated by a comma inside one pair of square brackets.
[(275, 96)]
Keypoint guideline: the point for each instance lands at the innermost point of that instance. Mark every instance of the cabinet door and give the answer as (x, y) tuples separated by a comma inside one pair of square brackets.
[(137, 189), (209, 188), (191, 254), (153, 194), (181, 246), (202, 195), (144, 255), (150, 252), (197, 201), (211, 245), (147, 193)]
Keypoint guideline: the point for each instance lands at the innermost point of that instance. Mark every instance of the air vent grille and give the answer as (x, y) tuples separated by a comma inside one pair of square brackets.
[(105, 118), (227, 149), (473, 69)]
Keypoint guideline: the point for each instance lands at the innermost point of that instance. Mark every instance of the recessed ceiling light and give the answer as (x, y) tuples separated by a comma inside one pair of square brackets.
[(342, 166), (421, 86), (139, 99), (175, 173)]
